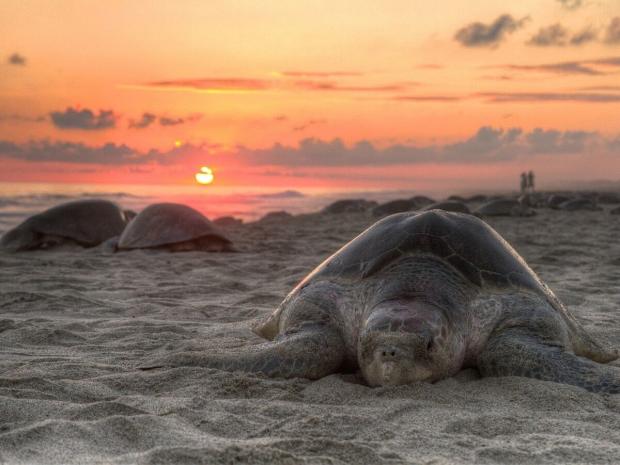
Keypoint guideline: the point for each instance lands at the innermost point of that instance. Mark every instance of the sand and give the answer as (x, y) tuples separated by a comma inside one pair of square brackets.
[(75, 323)]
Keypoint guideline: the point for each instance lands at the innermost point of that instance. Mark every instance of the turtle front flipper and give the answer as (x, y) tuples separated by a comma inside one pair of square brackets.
[(521, 352), (312, 352)]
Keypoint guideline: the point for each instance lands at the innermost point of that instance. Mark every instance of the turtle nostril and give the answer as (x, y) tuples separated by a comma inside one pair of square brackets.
[(388, 353)]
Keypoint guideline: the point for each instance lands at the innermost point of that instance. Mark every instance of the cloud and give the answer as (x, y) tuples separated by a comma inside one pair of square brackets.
[(612, 35), (484, 35), (586, 35), (147, 119), (214, 84), (307, 124), (593, 67), (86, 119), (333, 86), (144, 122), (487, 145), (320, 74), (106, 154), (503, 97), (19, 118), (553, 141), (556, 34), (600, 88), (427, 98), (70, 152), (286, 84), (16, 59), (571, 4), (169, 121)]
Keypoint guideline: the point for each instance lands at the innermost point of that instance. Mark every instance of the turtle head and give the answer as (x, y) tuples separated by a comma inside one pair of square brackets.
[(404, 342), (19, 239)]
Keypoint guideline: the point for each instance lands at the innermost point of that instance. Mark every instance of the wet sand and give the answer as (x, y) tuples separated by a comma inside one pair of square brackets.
[(74, 324)]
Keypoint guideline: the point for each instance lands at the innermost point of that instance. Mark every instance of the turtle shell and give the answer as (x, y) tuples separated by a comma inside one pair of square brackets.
[(449, 206), (498, 207), (394, 206), (467, 243), (578, 204), (164, 224), (87, 222)]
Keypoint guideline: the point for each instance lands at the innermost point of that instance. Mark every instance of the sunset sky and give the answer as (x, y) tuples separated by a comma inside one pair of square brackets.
[(303, 94)]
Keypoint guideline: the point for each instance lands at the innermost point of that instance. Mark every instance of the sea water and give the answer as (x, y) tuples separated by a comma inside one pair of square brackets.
[(21, 200)]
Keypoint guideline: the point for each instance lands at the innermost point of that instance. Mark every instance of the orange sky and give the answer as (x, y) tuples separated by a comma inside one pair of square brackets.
[(235, 81)]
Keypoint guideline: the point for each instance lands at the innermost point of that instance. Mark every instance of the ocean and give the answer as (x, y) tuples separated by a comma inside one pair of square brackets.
[(21, 200)]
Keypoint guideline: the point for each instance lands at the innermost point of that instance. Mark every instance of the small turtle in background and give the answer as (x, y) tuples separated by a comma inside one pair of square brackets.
[(173, 227), (422, 200), (349, 206), (612, 198), (418, 297), (504, 207), (275, 216), (579, 204), (394, 206), (477, 198), (86, 223), (554, 200), (228, 221), (449, 206)]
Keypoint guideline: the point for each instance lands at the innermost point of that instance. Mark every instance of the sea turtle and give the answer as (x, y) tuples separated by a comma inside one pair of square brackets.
[(228, 221), (449, 206), (612, 198), (394, 206), (349, 206), (418, 297), (174, 227), (504, 207), (579, 204), (280, 215), (422, 200), (554, 200), (615, 211), (477, 198), (87, 223)]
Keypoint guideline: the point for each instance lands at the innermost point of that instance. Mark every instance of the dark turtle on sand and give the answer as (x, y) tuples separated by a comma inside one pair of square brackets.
[(449, 206), (394, 206), (227, 221), (349, 206), (615, 211), (83, 222), (504, 207), (554, 200), (174, 227), (279, 215), (579, 204), (477, 198), (612, 198), (422, 200), (418, 297)]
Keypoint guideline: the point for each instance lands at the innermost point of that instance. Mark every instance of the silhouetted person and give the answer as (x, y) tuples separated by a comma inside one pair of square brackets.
[(530, 181), (523, 182)]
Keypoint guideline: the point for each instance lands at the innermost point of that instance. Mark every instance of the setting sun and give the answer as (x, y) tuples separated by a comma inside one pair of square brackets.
[(205, 176)]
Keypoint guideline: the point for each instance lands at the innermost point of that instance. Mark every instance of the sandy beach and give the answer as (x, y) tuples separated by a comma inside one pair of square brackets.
[(74, 324)]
